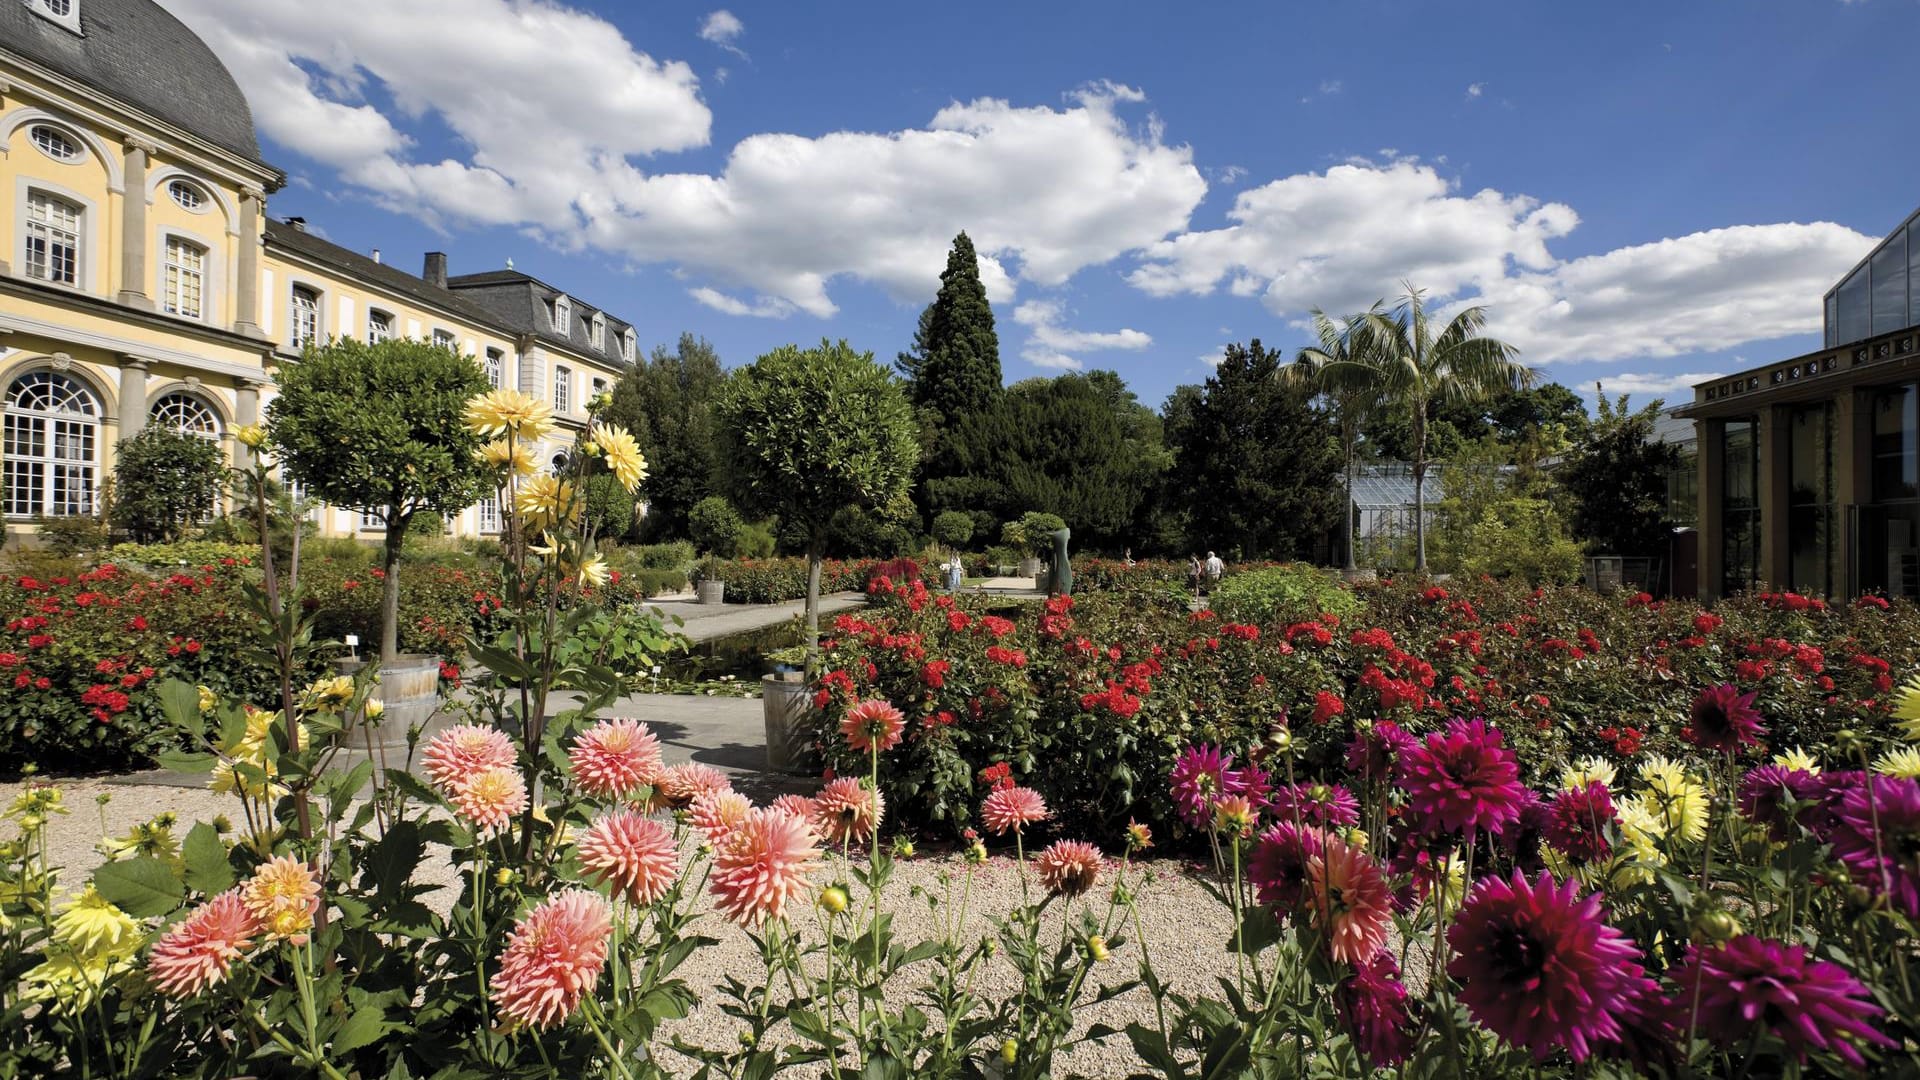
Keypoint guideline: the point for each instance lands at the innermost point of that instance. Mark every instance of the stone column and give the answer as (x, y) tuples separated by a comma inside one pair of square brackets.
[(246, 317), (246, 410), (133, 395), (1710, 445), (133, 227), (1773, 430), (1852, 479)]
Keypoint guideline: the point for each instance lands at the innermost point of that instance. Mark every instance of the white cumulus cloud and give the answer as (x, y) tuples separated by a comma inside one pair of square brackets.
[(1652, 384), (766, 307), (723, 28), (1049, 344)]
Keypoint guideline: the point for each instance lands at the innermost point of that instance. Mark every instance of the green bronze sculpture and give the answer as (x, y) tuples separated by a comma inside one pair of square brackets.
[(1061, 581)]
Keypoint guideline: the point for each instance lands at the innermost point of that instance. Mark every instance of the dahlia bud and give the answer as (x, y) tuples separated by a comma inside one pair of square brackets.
[(1281, 740), (977, 853), (1716, 926), (833, 900), (375, 708), (1009, 1051), (504, 877), (222, 824), (1356, 838), (252, 436), (1097, 949), (902, 848), (1846, 740)]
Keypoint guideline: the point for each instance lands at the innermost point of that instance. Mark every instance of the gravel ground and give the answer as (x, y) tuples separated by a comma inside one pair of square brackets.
[(1185, 929)]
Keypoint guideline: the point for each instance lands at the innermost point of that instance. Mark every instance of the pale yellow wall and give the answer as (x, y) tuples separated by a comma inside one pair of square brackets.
[(345, 303), (86, 183)]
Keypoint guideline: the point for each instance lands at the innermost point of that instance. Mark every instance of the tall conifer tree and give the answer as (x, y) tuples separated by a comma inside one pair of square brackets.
[(953, 377)]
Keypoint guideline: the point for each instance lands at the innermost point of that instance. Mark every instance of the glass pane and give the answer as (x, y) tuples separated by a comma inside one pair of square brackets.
[(1889, 268), (1833, 330), (1810, 455), (1896, 438), (1855, 321)]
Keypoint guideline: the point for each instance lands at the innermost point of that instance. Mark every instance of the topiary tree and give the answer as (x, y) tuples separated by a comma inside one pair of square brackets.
[(715, 527), (953, 528), (381, 429), (167, 480), (812, 431)]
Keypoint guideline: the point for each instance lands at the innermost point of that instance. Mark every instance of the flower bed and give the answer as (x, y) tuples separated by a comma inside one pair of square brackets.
[(1085, 700), (775, 581)]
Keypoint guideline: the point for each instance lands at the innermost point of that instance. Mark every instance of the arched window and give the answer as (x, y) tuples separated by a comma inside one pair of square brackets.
[(188, 196), (186, 414), (51, 434), (55, 143)]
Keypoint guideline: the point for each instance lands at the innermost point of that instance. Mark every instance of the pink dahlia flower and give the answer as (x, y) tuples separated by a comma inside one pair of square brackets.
[(717, 813), (1314, 804), (1235, 816), (766, 862), (1349, 897), (1278, 866), (1807, 1004), (489, 798), (795, 804), (873, 723), (1768, 795), (1069, 867), (1198, 778), (614, 758), (1463, 778), (1539, 966), (283, 896), (632, 853), (1877, 834), (1724, 719), (1373, 1007), (199, 951), (1012, 809), (681, 784), (462, 750), (1578, 827), (1374, 753), (553, 958), (846, 811)]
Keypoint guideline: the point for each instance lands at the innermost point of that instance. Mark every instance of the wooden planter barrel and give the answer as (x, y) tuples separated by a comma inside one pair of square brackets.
[(409, 690), (713, 592), (786, 703)]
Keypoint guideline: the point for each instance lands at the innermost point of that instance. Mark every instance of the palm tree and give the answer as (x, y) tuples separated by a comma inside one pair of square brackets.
[(1342, 367), (1418, 368)]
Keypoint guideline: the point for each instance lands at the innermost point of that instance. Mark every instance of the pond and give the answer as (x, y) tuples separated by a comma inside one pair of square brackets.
[(742, 655)]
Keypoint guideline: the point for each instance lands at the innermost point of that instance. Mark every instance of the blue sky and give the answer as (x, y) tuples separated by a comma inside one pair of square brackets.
[(1642, 193)]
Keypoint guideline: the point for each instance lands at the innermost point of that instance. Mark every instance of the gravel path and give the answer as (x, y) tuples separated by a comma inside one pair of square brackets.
[(1185, 928)]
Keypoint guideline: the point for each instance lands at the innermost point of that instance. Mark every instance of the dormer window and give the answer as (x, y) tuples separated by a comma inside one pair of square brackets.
[(55, 143), (64, 12), (562, 316), (626, 345), (597, 331), (187, 196)]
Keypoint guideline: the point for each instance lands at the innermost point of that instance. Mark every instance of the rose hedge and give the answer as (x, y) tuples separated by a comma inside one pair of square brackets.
[(774, 581), (1090, 700)]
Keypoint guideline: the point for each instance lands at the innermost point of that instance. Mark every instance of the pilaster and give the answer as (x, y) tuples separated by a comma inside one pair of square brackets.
[(133, 227), (1773, 429), (133, 395), (246, 307), (1710, 441)]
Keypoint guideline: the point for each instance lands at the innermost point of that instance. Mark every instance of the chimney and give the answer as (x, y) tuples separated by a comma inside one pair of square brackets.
[(376, 255), (299, 224), (436, 271)]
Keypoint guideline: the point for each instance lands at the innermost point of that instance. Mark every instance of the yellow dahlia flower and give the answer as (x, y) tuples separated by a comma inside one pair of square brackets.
[(68, 982), (1587, 770), (1903, 762), (623, 455), (498, 412), (1797, 758), (594, 571), (545, 500), (90, 925), (507, 454)]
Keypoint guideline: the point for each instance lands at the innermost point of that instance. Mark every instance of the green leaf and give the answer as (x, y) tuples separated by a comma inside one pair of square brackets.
[(366, 1025), (185, 761), (504, 664), (142, 887), (205, 857), (181, 702)]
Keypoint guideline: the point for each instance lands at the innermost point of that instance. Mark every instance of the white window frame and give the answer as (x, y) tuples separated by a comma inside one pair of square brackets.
[(446, 339), (597, 331), (626, 345), (562, 389), (68, 441), (495, 367), (181, 282), (486, 513), (318, 330), (202, 202), (379, 325), (599, 387), (55, 131), (373, 520), (563, 316), (52, 11), (49, 233)]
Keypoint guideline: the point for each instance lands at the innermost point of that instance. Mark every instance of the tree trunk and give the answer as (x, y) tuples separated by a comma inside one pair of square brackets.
[(1420, 489), (390, 585), (1347, 516), (816, 552)]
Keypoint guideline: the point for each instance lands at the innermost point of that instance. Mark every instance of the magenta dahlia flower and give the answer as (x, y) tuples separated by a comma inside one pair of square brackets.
[(1252, 783), (1198, 778), (1877, 834), (1578, 827), (1314, 804), (1767, 795), (1373, 1007), (1463, 778), (1807, 1004), (1374, 753), (1724, 719), (1539, 966), (1279, 866)]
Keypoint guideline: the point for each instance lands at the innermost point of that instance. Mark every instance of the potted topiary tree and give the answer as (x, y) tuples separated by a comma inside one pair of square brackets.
[(810, 432), (381, 429), (715, 528)]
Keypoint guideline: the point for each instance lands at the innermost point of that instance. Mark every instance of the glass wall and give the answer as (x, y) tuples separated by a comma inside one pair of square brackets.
[(1878, 297), (1740, 508), (1888, 528), (1889, 285), (1811, 525)]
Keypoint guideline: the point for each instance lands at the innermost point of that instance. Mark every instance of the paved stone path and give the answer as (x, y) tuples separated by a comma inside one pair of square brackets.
[(703, 622)]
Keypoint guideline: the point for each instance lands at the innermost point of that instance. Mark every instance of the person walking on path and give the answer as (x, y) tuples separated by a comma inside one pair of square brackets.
[(1215, 568)]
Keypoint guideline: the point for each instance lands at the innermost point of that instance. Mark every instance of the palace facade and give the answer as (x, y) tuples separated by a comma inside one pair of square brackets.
[(142, 280), (1809, 468)]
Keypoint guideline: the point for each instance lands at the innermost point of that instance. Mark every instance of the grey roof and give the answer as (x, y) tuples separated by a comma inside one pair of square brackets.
[(524, 303), (282, 235), (1383, 486), (1673, 429), (135, 51)]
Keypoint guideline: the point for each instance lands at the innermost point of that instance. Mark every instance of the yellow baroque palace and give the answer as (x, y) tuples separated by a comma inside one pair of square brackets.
[(143, 282)]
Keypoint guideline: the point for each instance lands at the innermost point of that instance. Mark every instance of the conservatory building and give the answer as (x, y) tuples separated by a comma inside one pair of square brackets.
[(1809, 467)]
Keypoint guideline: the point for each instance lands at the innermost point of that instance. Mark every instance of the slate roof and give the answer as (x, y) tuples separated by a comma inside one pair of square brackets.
[(524, 304), (135, 51), (361, 268)]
